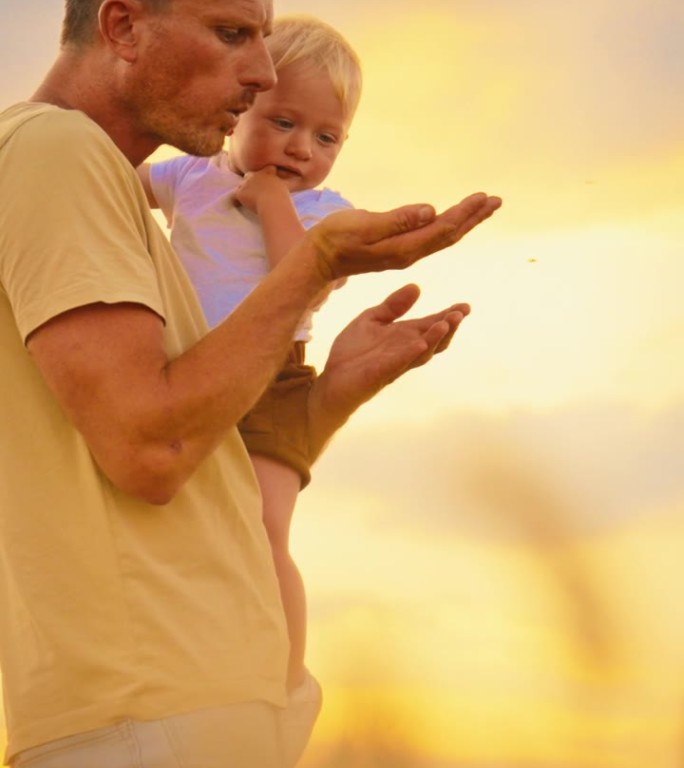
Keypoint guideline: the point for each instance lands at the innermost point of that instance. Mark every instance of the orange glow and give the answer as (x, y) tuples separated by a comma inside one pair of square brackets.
[(494, 547)]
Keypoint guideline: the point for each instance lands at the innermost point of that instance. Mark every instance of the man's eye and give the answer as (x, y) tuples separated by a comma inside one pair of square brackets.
[(231, 35), (327, 138)]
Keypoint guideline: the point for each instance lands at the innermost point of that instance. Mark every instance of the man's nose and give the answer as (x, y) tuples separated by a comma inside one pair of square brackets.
[(258, 72)]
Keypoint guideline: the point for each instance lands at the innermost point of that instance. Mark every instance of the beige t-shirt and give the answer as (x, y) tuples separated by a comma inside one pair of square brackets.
[(110, 608)]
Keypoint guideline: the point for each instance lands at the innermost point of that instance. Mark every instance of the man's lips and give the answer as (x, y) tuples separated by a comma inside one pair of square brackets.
[(234, 117), (237, 111)]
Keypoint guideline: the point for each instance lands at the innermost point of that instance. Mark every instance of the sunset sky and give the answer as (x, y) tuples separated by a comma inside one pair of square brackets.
[(494, 547)]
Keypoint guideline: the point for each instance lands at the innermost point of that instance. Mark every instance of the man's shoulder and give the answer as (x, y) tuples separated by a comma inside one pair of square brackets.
[(45, 127), (17, 114), (14, 117)]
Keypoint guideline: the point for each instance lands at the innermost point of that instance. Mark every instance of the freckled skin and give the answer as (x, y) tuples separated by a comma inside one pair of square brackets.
[(215, 61)]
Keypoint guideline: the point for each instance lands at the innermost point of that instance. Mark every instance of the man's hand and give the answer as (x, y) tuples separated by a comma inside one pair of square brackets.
[(353, 242), (371, 352)]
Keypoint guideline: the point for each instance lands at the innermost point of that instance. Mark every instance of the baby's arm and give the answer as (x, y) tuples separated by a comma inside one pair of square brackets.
[(144, 176), (268, 196)]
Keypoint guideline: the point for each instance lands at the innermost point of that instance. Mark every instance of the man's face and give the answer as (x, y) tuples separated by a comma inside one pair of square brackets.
[(200, 65), (299, 127)]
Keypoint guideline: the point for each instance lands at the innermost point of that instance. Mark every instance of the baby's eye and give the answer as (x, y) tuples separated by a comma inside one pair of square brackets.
[(283, 123), (327, 138)]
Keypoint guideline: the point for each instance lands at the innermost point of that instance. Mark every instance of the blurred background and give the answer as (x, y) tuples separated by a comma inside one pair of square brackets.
[(494, 547)]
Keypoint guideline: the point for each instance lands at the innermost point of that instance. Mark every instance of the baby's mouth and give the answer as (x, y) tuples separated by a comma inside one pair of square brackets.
[(284, 172)]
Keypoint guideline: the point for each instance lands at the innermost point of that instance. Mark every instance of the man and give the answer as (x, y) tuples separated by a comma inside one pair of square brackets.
[(141, 623)]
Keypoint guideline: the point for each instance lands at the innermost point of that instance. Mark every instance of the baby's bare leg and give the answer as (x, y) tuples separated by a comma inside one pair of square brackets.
[(280, 485)]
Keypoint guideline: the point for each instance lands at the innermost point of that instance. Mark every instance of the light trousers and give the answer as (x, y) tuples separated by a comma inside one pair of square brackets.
[(247, 735)]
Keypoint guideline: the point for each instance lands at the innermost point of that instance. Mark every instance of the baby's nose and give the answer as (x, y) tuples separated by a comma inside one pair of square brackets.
[(300, 146)]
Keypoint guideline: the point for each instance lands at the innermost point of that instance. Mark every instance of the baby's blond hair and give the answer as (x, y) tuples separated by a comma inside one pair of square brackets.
[(307, 40)]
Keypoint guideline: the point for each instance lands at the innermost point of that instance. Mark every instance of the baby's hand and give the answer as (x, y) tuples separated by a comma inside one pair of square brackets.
[(256, 186)]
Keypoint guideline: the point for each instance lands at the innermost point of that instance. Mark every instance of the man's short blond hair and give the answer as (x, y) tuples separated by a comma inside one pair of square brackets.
[(308, 40), (80, 19)]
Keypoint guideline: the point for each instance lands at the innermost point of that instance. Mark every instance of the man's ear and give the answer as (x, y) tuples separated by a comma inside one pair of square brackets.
[(117, 22)]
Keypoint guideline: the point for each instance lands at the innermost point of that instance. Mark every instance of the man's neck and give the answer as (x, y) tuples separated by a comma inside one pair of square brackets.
[(73, 83)]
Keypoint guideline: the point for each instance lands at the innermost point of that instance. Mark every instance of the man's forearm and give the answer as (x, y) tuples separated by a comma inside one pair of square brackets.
[(149, 421), (215, 382), (325, 416)]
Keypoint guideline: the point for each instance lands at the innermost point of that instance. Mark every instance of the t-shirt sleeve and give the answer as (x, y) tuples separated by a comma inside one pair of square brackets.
[(72, 222), (313, 205), (165, 178)]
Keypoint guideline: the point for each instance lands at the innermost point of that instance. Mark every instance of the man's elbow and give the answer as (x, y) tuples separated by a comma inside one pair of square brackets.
[(154, 493), (153, 476)]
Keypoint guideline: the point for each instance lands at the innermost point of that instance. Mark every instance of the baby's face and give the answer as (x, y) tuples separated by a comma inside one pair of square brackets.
[(298, 126)]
